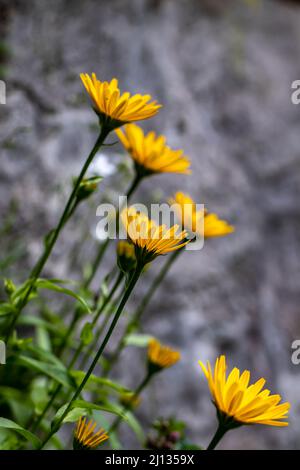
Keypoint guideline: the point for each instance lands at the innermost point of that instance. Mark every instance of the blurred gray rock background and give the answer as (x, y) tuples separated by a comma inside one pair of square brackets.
[(223, 71)]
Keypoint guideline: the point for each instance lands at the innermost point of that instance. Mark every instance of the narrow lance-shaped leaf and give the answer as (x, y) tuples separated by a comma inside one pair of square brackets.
[(82, 407), (8, 424)]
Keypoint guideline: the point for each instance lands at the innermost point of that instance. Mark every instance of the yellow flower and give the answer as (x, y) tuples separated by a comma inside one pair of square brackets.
[(150, 152), (85, 437), (150, 239), (241, 403), (119, 108), (160, 356), (193, 220)]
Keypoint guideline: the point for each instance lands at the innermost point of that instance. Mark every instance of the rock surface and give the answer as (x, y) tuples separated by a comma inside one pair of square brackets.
[(223, 71)]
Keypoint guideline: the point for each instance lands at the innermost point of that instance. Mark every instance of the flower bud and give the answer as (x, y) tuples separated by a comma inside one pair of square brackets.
[(9, 286), (87, 187), (126, 258)]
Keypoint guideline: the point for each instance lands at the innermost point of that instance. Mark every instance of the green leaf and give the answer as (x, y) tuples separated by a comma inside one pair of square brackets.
[(10, 442), (43, 339), (141, 341), (48, 284), (75, 414), (78, 375), (6, 309), (45, 356), (39, 394), (39, 322), (17, 294), (57, 280), (81, 408), (19, 403), (8, 424), (55, 440), (188, 446), (105, 424), (135, 426), (9, 286), (87, 334), (132, 423), (104, 289), (56, 373)]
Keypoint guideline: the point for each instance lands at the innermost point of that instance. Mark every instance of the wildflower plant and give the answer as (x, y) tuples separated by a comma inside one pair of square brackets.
[(150, 152), (63, 356), (115, 108), (238, 403), (86, 437)]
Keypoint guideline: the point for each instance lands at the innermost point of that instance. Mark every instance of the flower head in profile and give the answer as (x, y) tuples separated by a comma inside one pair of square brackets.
[(85, 436), (239, 403), (160, 356), (195, 220), (150, 152), (114, 108), (151, 240)]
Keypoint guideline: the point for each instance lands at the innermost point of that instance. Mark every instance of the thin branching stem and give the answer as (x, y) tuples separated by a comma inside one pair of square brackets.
[(37, 269), (99, 353)]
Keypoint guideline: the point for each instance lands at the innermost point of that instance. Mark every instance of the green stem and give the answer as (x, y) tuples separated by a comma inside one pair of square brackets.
[(154, 286), (36, 271), (136, 393), (98, 335), (218, 436), (69, 331), (100, 310), (78, 351), (140, 309), (136, 181), (96, 263), (103, 247), (98, 355), (75, 319)]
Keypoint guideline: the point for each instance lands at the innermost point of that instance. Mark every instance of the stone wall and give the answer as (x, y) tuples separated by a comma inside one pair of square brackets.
[(223, 71)]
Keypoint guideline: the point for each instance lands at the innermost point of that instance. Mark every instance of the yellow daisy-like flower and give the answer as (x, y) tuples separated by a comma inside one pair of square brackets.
[(151, 240), (85, 437), (238, 402), (150, 152), (118, 108), (160, 356), (194, 220)]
